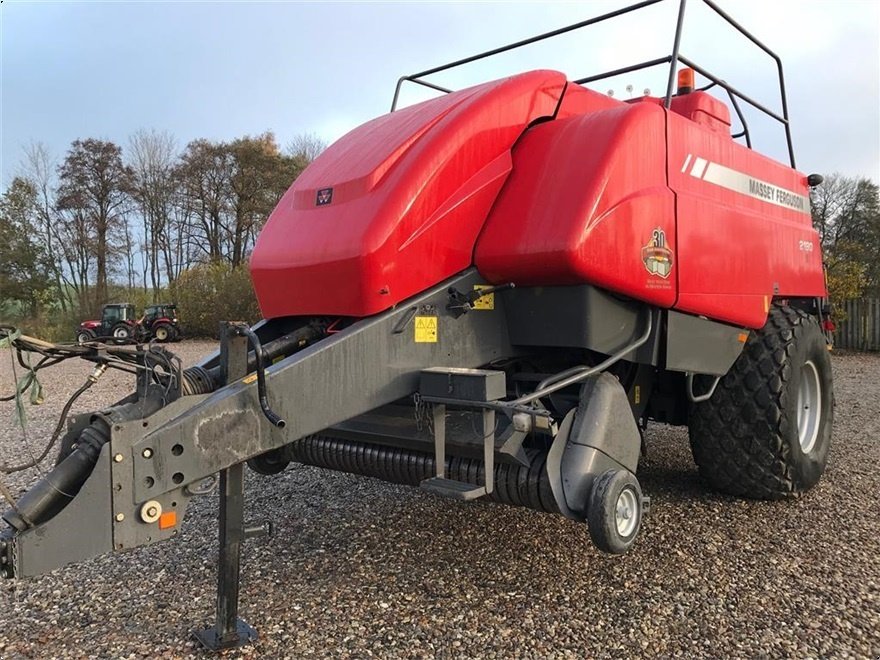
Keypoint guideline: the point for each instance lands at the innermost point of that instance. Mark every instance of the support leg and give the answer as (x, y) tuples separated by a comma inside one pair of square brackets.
[(229, 631)]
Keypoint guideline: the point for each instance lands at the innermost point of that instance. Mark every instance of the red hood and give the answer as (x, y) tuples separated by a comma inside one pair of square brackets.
[(90, 324)]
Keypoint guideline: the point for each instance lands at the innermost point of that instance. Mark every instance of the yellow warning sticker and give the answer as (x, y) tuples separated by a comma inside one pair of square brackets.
[(426, 329), (484, 302), (247, 380)]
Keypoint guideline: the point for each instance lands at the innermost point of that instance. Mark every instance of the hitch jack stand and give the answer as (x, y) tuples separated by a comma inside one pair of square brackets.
[(229, 631)]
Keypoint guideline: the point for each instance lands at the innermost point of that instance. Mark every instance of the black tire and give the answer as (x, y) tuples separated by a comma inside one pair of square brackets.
[(121, 331), (83, 336), (272, 462), (163, 333), (602, 519), (746, 439)]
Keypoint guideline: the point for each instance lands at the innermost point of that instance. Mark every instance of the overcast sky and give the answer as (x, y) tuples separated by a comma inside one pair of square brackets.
[(221, 70)]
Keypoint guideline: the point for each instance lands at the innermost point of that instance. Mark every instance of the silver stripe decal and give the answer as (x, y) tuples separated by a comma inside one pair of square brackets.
[(686, 161), (748, 185), (699, 167)]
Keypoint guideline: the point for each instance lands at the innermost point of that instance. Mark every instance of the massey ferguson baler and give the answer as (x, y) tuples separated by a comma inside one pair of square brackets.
[(487, 295)]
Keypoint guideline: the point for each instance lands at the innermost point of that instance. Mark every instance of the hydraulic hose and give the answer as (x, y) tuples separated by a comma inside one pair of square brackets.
[(56, 489), (52, 493), (91, 380), (273, 418)]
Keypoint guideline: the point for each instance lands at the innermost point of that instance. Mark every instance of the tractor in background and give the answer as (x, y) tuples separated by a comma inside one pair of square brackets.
[(160, 322), (119, 322)]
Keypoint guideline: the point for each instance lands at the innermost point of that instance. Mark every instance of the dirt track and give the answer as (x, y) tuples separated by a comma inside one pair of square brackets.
[(361, 568)]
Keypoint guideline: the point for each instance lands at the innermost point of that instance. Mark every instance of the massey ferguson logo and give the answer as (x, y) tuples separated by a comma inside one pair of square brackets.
[(324, 197)]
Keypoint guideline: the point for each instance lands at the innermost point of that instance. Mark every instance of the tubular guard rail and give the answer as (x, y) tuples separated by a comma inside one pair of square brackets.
[(672, 59)]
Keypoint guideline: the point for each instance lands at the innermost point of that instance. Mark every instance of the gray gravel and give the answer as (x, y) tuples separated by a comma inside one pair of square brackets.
[(360, 568)]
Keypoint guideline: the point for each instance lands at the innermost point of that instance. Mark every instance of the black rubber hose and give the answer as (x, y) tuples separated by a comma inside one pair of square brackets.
[(197, 380), (275, 348), (54, 491), (58, 428), (270, 414)]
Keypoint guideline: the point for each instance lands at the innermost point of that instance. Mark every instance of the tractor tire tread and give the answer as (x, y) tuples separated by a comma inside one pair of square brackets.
[(738, 437)]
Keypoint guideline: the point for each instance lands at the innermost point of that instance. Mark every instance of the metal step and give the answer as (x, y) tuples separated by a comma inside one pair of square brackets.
[(456, 490)]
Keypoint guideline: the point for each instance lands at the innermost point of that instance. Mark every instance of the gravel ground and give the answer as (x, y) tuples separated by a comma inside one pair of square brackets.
[(361, 568)]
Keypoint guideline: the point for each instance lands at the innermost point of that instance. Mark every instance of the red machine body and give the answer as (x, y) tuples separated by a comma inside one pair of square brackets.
[(662, 272), (538, 181), (396, 205)]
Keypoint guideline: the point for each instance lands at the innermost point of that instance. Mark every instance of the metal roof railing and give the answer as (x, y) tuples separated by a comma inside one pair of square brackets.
[(672, 59)]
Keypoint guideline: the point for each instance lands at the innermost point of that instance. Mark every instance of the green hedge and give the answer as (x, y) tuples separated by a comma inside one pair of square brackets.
[(210, 293)]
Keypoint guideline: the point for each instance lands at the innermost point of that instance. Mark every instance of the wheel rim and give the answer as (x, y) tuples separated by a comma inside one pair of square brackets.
[(809, 402), (120, 333), (626, 513), (161, 334)]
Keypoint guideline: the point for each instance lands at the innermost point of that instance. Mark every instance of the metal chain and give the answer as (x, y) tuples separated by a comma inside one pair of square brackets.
[(423, 414)]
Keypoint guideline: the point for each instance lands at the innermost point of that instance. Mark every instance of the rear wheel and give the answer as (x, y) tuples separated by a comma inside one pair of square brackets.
[(163, 332), (766, 431), (121, 331)]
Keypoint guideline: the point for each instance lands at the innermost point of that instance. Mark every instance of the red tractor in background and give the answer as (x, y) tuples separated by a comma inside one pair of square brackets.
[(160, 322), (119, 322)]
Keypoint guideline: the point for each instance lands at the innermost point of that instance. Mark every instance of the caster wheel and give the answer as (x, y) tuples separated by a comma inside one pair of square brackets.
[(615, 511), (272, 462)]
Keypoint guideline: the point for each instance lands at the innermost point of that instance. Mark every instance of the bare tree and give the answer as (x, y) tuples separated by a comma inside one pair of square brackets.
[(94, 187), (305, 147), (152, 156), (147, 219), (74, 241), (204, 171), (38, 167), (179, 244), (846, 213), (129, 251)]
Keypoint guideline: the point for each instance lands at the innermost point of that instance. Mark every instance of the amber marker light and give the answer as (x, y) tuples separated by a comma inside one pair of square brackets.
[(685, 81)]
